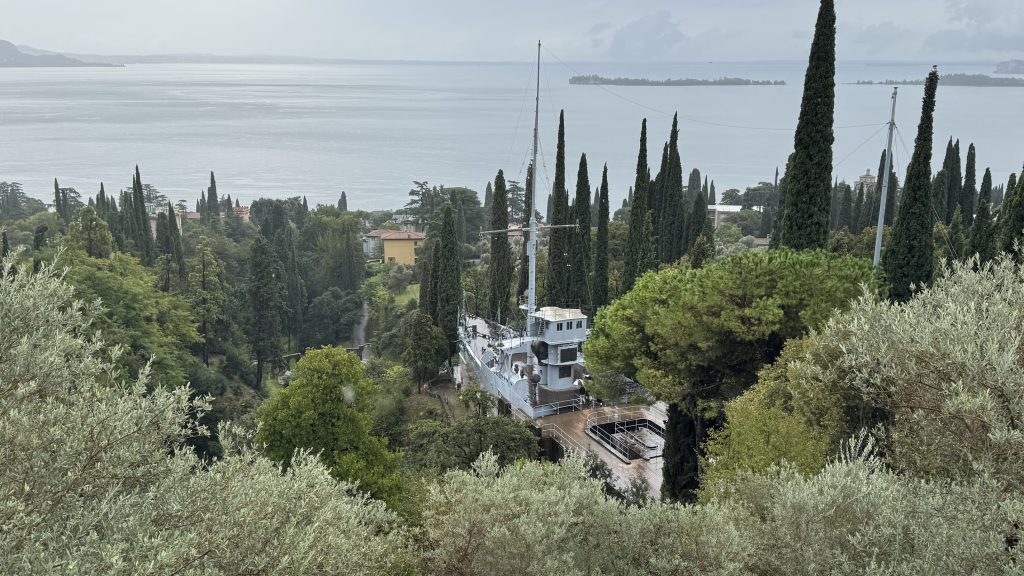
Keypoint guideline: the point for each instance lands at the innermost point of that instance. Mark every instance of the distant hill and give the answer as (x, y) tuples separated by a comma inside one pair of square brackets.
[(972, 80), (1010, 67), (12, 57), (595, 80)]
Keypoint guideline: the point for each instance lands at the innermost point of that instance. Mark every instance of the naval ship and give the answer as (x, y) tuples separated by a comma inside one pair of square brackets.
[(538, 374)]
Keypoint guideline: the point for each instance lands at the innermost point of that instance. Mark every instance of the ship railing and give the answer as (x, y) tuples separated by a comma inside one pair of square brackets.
[(567, 442)]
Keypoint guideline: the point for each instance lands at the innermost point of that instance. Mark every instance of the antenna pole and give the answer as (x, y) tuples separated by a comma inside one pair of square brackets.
[(885, 183), (531, 241)]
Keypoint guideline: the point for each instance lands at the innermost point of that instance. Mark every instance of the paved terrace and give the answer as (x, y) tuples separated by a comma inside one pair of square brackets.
[(571, 427)]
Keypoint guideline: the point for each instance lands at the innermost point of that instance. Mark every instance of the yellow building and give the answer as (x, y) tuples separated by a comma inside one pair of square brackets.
[(401, 247)]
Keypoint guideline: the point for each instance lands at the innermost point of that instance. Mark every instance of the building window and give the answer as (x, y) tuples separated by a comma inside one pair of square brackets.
[(567, 355), (391, 258), (565, 371), (559, 327), (579, 323)]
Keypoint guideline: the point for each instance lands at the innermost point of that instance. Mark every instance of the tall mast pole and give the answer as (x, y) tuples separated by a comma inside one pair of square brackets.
[(885, 183), (531, 244)]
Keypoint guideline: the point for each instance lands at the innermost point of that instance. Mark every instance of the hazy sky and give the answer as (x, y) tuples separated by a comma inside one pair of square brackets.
[(681, 30)]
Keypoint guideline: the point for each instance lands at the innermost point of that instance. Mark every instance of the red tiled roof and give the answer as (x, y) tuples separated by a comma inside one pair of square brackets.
[(397, 235)]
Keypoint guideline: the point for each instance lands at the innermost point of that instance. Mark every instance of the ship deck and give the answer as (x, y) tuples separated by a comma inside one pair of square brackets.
[(571, 429)]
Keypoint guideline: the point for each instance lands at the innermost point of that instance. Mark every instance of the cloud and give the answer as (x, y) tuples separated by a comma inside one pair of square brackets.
[(652, 37), (977, 42), (879, 39)]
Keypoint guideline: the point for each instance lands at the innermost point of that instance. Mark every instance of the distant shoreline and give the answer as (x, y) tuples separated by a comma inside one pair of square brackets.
[(596, 80), (967, 80)]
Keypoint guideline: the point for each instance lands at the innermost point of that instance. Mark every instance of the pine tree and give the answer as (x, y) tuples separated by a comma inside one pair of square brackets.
[(970, 191), (560, 238), (578, 283), (983, 233), (858, 207), (266, 294), (909, 258), (501, 253), (805, 222), (599, 296), (447, 278), (639, 245), (343, 203), (524, 257)]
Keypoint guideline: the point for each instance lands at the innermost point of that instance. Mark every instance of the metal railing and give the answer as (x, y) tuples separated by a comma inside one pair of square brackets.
[(623, 440)]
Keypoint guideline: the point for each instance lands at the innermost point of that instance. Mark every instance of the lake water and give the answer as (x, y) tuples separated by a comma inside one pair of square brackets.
[(371, 129)]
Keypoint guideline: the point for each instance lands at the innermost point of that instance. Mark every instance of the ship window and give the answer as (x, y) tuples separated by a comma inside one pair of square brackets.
[(559, 326), (565, 371), (579, 324), (567, 355)]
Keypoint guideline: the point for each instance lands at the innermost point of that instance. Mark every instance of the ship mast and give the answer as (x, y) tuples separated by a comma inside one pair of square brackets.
[(531, 242)]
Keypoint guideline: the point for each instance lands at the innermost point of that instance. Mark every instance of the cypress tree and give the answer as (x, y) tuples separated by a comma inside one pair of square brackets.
[(448, 278), (488, 198), (805, 222), (954, 189), (143, 234), (858, 207), (999, 198), (660, 201), (892, 200), (680, 462), (696, 222), (579, 249), (343, 203), (836, 203), (560, 238), (294, 287), (1011, 220), (58, 202), (266, 303), (164, 261), (983, 233), (5, 245), (177, 250), (524, 257), (940, 194), (427, 297), (845, 208), (940, 185), (501, 253), (599, 297), (909, 258), (970, 191), (771, 207), (212, 203), (868, 216), (639, 248), (780, 212), (956, 238), (878, 192), (713, 197), (686, 234), (671, 245)]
